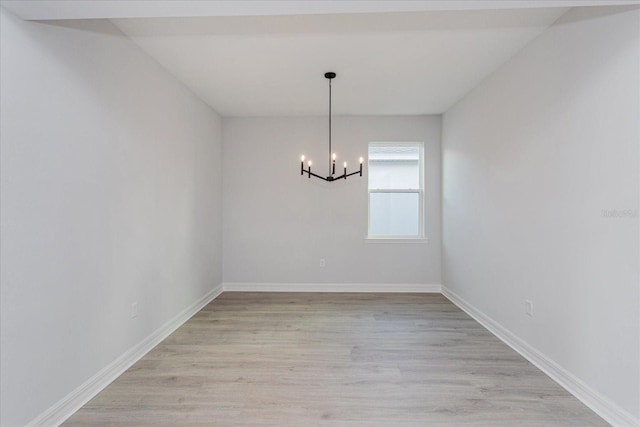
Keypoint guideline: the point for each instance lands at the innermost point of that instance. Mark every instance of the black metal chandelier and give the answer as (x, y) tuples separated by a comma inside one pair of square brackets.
[(332, 156)]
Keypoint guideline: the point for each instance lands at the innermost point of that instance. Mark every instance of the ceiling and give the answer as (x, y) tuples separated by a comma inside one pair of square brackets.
[(249, 58), (386, 63)]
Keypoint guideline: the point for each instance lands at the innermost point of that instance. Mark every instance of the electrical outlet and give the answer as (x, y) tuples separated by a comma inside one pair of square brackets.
[(134, 310), (322, 262), (528, 308)]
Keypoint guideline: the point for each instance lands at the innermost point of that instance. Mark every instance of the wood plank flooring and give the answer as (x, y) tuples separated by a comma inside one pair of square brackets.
[(307, 359)]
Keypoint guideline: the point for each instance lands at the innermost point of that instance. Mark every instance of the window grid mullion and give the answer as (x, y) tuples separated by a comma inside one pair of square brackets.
[(394, 190)]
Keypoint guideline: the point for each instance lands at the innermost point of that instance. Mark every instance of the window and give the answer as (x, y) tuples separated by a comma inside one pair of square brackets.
[(396, 190)]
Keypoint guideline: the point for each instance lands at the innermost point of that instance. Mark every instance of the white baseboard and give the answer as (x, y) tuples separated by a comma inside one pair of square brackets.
[(331, 287), (67, 406), (598, 403)]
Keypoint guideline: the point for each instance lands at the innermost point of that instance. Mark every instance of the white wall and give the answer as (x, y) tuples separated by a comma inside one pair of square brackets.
[(531, 159), (278, 224), (110, 194)]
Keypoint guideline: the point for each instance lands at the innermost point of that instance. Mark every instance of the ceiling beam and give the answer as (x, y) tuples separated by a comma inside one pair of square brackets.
[(107, 9)]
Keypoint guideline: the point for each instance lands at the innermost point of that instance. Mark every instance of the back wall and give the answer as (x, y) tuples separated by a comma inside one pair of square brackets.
[(278, 224)]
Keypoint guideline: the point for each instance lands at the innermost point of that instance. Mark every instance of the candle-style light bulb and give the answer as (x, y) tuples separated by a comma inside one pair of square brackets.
[(302, 158), (345, 164), (309, 162), (334, 157), (361, 160)]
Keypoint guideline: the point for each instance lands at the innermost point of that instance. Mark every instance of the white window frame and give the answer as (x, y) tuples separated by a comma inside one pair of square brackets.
[(419, 191)]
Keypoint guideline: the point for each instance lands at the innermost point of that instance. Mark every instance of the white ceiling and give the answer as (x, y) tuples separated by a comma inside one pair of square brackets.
[(386, 63), (249, 58)]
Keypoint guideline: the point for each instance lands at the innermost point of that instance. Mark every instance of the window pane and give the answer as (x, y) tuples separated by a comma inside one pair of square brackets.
[(393, 214), (394, 167)]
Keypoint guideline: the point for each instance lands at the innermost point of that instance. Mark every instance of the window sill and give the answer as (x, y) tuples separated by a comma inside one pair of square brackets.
[(419, 240)]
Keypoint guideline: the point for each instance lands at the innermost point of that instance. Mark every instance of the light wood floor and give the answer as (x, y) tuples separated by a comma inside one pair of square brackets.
[(302, 359)]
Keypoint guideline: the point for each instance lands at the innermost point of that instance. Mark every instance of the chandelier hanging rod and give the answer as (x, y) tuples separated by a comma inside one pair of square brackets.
[(332, 156)]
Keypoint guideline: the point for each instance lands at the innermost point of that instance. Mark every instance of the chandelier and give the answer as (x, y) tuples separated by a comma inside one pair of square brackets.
[(332, 156)]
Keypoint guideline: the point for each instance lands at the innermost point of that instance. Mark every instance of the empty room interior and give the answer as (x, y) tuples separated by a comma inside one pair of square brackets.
[(320, 213)]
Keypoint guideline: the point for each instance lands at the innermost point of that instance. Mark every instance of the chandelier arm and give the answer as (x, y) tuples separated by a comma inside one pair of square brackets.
[(353, 173), (343, 176), (317, 176)]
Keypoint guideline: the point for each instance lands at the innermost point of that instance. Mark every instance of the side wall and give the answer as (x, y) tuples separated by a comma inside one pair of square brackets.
[(110, 196), (540, 200), (278, 224)]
